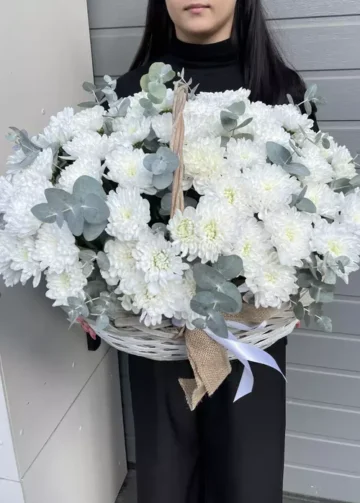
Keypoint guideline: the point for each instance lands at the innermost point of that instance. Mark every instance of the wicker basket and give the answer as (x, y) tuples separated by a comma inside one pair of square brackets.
[(165, 342)]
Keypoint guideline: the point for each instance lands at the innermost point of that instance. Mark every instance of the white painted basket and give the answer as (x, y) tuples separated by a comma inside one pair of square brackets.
[(164, 342)]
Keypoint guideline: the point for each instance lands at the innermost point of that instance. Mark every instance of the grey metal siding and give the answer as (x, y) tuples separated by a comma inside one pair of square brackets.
[(321, 38)]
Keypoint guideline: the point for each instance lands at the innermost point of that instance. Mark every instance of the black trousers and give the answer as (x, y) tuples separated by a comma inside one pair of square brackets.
[(224, 452)]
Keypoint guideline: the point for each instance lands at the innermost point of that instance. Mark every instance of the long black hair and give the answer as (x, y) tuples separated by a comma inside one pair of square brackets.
[(265, 73)]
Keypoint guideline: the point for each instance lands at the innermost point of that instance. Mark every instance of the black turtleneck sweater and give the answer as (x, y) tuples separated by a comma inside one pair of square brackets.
[(214, 67)]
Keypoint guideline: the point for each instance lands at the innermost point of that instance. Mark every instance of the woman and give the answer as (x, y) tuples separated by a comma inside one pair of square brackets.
[(223, 452)]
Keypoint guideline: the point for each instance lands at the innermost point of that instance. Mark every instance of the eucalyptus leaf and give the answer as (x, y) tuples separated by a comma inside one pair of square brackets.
[(290, 99), (157, 92), (87, 255), (26, 144), (325, 323), (166, 202), (102, 322), (224, 141), (87, 269), (304, 279), (199, 307), (245, 123), (230, 290), (307, 319), (316, 309), (92, 232), (278, 154), (311, 92), (75, 220), (326, 143), (144, 83), (340, 184), (295, 148), (103, 261), (330, 276), (355, 182), (228, 120), (207, 278), (299, 311), (160, 228), (238, 108), (27, 161), (216, 323), (87, 104), (95, 209), (155, 71), (190, 201), (306, 205), (308, 107), (297, 169), (217, 301), (163, 181), (94, 288), (59, 199), (44, 213), (85, 185), (146, 104), (89, 87), (229, 267), (199, 323)]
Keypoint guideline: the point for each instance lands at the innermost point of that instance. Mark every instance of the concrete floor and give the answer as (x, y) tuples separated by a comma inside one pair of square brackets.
[(128, 494)]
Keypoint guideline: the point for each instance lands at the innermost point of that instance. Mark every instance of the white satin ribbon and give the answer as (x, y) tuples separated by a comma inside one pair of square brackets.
[(245, 353)]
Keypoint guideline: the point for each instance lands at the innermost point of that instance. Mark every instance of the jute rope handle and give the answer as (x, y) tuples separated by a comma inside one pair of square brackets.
[(176, 145)]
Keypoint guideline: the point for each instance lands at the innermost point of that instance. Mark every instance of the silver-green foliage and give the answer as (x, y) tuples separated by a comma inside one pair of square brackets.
[(85, 210), (216, 294)]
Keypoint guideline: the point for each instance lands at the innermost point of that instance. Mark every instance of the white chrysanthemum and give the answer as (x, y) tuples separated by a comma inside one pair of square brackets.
[(121, 260), (16, 157), (245, 153), (55, 247), (59, 130), (158, 260), (6, 192), (89, 143), (231, 190), (271, 283), (156, 305), (129, 214), (335, 239), (162, 125), (28, 191), (126, 167), (43, 164), (69, 283), (182, 229), (291, 119), (136, 111), (132, 130), (252, 242), (350, 211), (270, 187), (89, 166), (17, 263), (327, 153), (343, 164), (187, 290), (265, 126), (204, 161), (223, 100), (320, 170), (215, 230), (328, 203), (291, 232), (91, 119)]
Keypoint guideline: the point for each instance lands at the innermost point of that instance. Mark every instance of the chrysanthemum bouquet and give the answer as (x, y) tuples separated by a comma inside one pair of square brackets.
[(271, 208)]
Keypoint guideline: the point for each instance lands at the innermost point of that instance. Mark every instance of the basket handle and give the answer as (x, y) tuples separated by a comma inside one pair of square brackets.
[(176, 145)]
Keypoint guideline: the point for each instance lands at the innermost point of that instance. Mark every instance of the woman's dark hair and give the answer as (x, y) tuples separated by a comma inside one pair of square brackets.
[(264, 70)]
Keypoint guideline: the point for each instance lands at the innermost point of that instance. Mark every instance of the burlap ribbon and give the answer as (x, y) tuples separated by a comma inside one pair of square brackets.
[(209, 360)]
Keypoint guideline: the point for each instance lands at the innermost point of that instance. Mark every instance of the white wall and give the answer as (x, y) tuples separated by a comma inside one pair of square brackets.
[(61, 430)]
